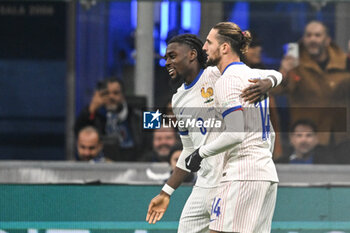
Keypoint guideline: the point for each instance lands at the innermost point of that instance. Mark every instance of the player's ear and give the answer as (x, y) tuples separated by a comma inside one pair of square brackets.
[(224, 48), (193, 54)]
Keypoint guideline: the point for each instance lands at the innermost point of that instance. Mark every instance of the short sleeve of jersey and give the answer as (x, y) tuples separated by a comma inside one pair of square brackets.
[(228, 91)]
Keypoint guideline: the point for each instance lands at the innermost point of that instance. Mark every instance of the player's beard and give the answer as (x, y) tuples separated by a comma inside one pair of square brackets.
[(214, 61)]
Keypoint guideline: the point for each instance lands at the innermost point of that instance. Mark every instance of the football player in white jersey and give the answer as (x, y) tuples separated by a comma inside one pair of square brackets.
[(245, 199), (186, 60)]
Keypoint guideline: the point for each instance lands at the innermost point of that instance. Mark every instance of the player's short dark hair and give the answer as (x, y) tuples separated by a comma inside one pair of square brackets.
[(115, 79), (194, 43), (306, 122)]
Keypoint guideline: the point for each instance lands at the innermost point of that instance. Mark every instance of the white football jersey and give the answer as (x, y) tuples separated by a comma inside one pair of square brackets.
[(193, 104), (251, 159)]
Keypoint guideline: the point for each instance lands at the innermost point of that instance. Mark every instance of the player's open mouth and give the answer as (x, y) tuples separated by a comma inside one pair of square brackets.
[(171, 71)]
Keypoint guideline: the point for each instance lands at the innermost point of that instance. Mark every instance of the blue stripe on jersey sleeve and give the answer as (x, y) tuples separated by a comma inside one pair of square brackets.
[(228, 111), (194, 81), (183, 133)]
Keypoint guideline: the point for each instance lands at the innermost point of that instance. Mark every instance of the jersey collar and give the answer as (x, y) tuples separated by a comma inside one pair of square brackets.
[(231, 64), (194, 81)]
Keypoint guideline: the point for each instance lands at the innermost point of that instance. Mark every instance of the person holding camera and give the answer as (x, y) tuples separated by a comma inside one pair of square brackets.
[(119, 124), (312, 80)]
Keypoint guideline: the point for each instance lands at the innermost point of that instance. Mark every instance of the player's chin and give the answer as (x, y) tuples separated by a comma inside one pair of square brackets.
[(173, 76), (210, 63)]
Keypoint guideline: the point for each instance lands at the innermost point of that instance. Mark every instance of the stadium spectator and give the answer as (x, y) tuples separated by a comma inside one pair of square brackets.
[(174, 155), (119, 124), (306, 149), (253, 56), (311, 85), (163, 140), (89, 145)]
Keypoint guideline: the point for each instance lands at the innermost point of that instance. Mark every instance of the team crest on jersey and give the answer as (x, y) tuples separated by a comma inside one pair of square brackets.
[(207, 94)]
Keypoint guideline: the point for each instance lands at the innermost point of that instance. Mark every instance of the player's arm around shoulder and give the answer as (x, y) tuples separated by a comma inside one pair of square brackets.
[(269, 80), (274, 76)]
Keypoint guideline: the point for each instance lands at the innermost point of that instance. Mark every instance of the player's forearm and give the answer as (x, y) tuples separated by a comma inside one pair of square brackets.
[(231, 137), (177, 177), (224, 142), (180, 172), (273, 75)]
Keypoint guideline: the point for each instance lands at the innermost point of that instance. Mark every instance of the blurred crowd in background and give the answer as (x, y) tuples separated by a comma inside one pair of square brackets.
[(316, 85)]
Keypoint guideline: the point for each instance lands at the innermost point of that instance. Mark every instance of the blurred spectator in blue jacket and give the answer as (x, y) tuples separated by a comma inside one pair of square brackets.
[(305, 147)]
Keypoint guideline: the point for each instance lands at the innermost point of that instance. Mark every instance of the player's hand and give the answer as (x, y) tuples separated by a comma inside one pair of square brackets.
[(193, 161), (257, 90), (157, 208)]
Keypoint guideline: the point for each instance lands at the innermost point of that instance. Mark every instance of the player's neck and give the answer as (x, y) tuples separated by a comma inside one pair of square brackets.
[(191, 75), (227, 60)]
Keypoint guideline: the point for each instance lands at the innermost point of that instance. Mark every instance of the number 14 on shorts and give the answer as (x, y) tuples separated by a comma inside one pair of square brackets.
[(215, 209)]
